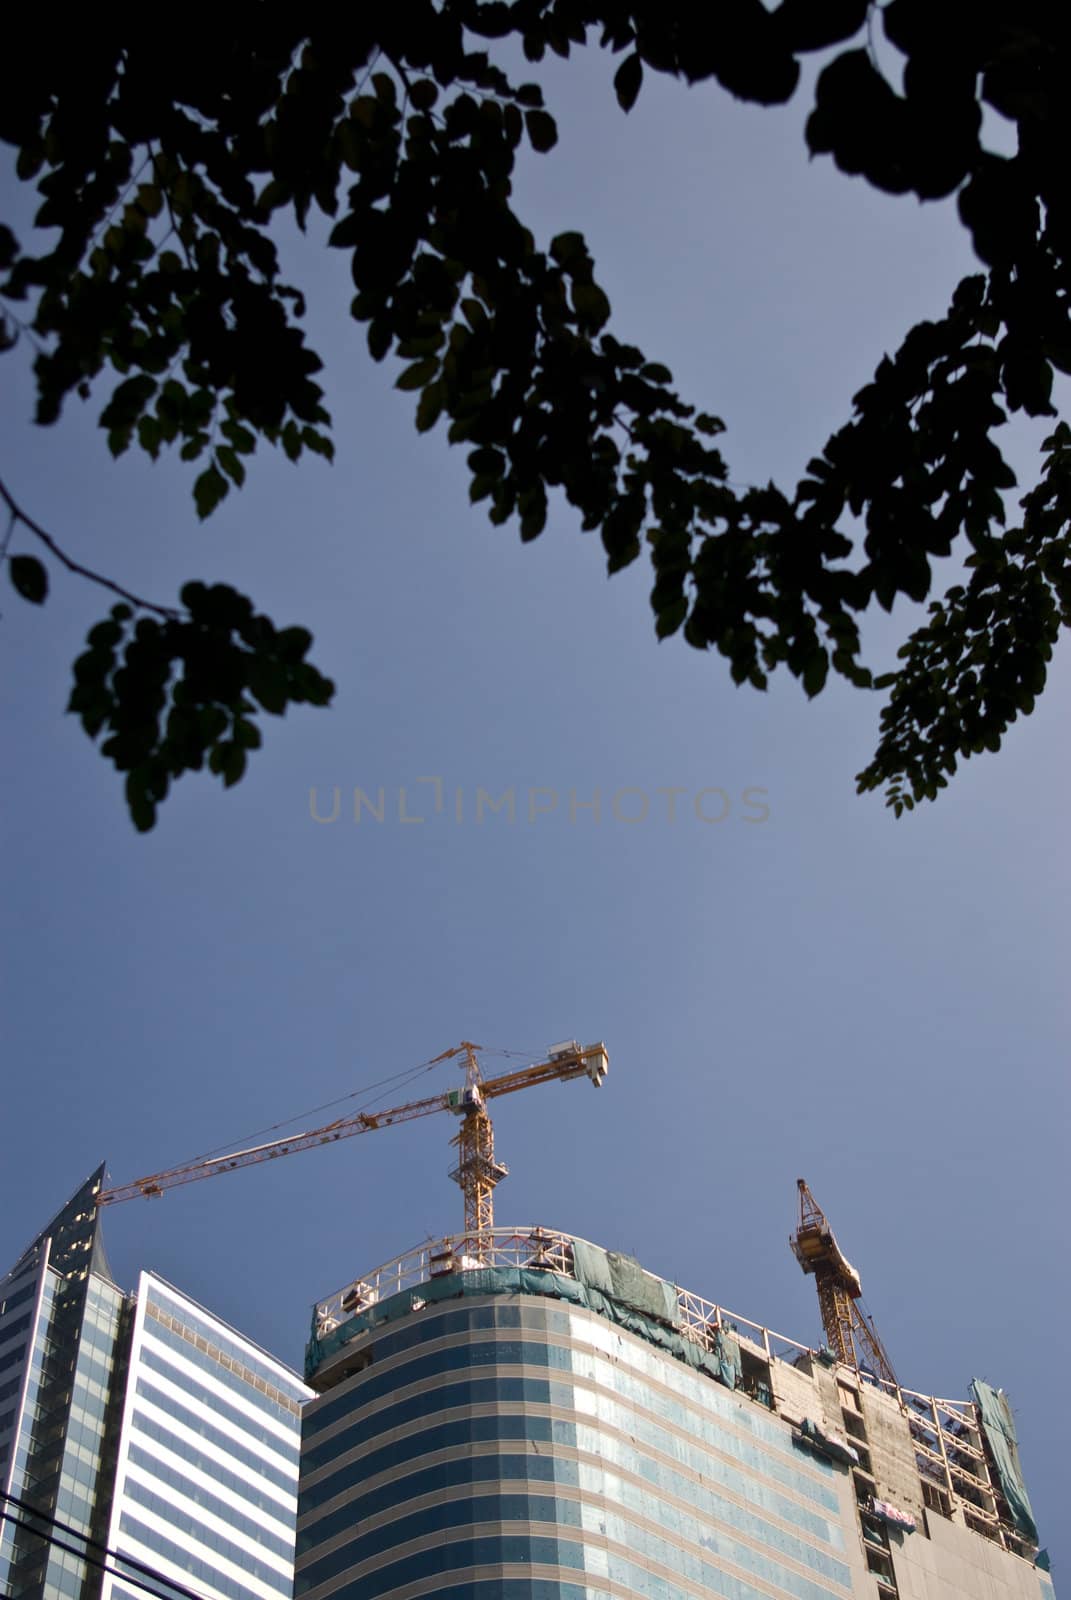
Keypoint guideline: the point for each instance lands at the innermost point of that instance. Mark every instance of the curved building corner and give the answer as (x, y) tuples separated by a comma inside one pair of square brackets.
[(548, 1420)]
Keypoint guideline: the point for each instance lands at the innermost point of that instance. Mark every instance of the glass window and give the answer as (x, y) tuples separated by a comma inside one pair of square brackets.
[(200, 1425), (249, 1486), (190, 1563), (274, 1538), (621, 1381), (223, 1372), (18, 1297), (427, 1440), (232, 1416), (184, 1524), (222, 1342)]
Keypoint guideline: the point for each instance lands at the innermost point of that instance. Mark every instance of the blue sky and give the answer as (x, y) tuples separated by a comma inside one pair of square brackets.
[(879, 1007)]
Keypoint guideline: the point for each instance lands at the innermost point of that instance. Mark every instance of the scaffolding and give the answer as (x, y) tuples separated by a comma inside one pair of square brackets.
[(956, 1475)]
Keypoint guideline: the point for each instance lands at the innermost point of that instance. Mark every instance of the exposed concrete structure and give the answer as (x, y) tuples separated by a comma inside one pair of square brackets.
[(551, 1421)]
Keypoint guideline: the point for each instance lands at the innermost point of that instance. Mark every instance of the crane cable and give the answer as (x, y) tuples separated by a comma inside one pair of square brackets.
[(366, 1091)]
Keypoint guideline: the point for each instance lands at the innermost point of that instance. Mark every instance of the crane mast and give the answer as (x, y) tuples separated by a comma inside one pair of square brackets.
[(850, 1334), (477, 1172)]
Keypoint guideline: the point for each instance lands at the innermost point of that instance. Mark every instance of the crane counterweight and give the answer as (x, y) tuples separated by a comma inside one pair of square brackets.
[(850, 1334)]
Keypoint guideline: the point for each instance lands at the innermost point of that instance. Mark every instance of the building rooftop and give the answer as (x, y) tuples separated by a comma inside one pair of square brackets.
[(953, 1458)]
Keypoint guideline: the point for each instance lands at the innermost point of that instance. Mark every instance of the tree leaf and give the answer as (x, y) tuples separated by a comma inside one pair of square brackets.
[(542, 130), (29, 578), (208, 491), (228, 460), (420, 373), (628, 80), (423, 94)]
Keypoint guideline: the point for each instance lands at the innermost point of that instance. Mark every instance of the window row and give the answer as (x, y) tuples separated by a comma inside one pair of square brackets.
[(504, 1352), (377, 1381), (183, 1524), (160, 1472), (589, 1479), (65, 1574), (442, 1397), (194, 1568), (441, 1436), (670, 1548), (584, 1329), (97, 1363), (81, 1465), (547, 1466), (17, 1354), (72, 1506), (250, 1487), (208, 1363), (199, 1424), (217, 1337), (231, 1415), (467, 1319), (589, 1406), (495, 1550), (635, 1359), (17, 1297)]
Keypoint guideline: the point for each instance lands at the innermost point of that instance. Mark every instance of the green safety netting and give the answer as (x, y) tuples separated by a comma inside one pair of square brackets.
[(604, 1284), (621, 1278), (999, 1428)]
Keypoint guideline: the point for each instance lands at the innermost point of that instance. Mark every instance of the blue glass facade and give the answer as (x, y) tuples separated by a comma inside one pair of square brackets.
[(139, 1422), (512, 1445), (67, 1318)]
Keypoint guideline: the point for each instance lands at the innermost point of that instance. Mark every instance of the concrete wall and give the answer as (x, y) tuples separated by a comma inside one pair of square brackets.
[(942, 1560), (892, 1452), (955, 1563)]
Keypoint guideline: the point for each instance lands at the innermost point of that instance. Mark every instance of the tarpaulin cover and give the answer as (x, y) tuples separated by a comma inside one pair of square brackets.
[(727, 1357), (592, 1266), (828, 1440), (999, 1428), (622, 1278), (893, 1515)]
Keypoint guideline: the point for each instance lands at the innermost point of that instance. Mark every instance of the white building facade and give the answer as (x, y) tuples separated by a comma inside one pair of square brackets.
[(142, 1439)]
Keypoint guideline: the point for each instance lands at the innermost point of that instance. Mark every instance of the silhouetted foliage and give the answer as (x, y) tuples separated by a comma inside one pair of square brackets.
[(163, 150)]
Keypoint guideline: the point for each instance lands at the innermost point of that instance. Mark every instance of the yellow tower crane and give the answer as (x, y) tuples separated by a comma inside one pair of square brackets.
[(477, 1172), (850, 1333)]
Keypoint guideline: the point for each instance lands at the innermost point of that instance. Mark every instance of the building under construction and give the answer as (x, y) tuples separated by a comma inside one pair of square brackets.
[(552, 1422), (522, 1415)]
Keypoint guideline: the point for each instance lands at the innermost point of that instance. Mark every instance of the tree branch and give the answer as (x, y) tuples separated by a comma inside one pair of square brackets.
[(18, 515)]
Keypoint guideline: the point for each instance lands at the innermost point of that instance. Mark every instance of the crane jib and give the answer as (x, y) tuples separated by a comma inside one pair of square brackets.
[(477, 1171)]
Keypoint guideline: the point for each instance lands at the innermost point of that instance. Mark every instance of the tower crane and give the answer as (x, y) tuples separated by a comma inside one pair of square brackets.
[(850, 1333), (477, 1172)]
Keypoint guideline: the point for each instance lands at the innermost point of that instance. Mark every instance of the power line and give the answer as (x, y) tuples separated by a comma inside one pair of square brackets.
[(102, 1563), (85, 1554)]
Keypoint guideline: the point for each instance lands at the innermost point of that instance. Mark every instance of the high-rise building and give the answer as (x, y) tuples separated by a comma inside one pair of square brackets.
[(552, 1422), (140, 1436)]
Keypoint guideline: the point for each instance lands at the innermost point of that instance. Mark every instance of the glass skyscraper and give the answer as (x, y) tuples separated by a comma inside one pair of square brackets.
[(520, 1417), (553, 1423), (139, 1434)]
